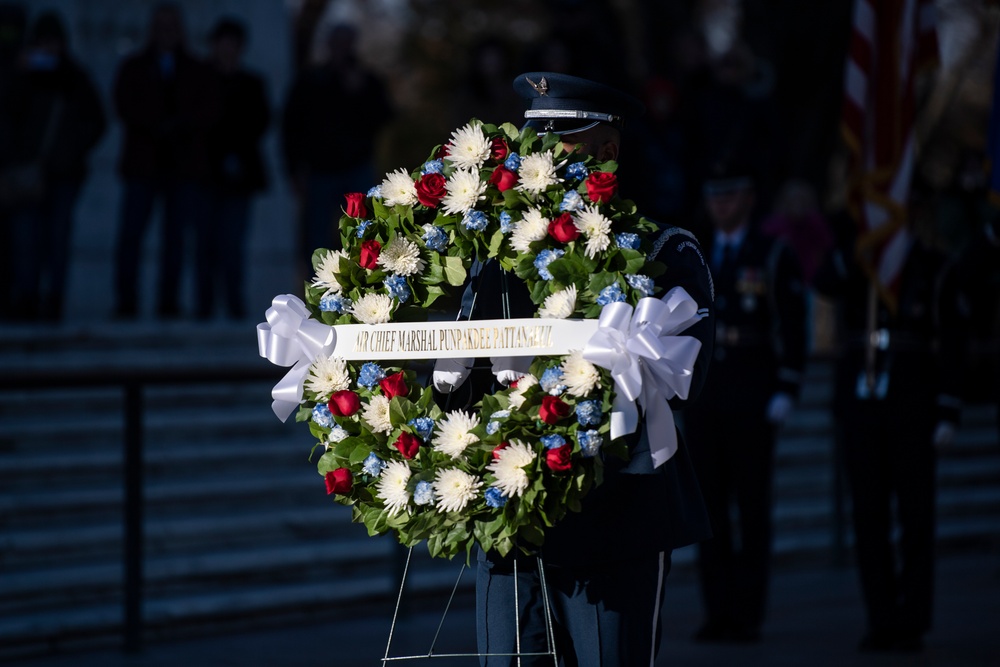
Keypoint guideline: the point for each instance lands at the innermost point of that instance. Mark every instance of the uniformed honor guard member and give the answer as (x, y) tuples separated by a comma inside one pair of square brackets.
[(756, 370), (604, 566)]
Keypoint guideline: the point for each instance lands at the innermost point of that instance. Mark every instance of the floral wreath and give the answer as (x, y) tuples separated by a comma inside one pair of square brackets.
[(501, 475)]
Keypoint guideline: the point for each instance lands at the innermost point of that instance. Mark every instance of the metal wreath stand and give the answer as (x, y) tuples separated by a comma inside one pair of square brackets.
[(550, 639)]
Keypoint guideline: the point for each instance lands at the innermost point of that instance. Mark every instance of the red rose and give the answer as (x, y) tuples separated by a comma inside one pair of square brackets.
[(601, 186), (558, 459), (338, 481), (553, 409), (407, 444), (356, 205), (394, 385), (344, 403), (496, 450), (431, 190), (442, 152), (503, 178), (563, 229), (498, 149), (369, 254)]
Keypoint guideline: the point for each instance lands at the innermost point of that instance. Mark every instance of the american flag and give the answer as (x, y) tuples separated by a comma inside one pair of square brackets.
[(891, 42)]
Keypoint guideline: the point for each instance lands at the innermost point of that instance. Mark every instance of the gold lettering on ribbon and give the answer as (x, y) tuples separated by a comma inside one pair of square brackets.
[(387, 341)]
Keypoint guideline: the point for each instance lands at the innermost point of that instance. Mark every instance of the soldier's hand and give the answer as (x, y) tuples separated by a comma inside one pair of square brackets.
[(449, 374), (510, 369), (779, 408), (944, 435)]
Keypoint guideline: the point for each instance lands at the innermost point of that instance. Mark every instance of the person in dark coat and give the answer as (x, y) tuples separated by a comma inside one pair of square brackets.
[(756, 372), (605, 566), (236, 171), (167, 101), (51, 119), (897, 398), (323, 162)]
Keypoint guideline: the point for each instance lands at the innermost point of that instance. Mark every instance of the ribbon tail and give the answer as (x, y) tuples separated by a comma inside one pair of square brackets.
[(287, 394), (660, 426), (624, 416)]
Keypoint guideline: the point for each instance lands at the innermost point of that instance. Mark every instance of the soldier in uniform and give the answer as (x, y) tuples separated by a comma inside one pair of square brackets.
[(756, 370), (604, 566), (896, 400)]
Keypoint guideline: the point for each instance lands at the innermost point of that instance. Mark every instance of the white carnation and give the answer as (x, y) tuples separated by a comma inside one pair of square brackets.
[(559, 305), (596, 228), (399, 188), (453, 433), (373, 308), (509, 468), (376, 415), (327, 375), (401, 256), (326, 272), (532, 227), (580, 376), (454, 489), (537, 172), (468, 148), (391, 486), (464, 188)]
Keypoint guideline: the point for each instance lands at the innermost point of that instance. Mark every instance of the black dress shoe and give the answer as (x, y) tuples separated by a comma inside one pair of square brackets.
[(877, 642), (908, 642), (713, 632), (744, 635)]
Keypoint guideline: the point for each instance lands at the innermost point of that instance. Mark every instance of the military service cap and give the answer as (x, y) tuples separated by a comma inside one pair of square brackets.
[(565, 104)]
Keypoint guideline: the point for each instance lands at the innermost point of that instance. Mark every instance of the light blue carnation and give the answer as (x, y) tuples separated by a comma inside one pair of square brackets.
[(572, 201), (513, 162), (588, 413), (500, 414), (506, 222), (432, 167), (435, 238), (577, 170), (610, 294), (370, 374), (640, 283), (321, 415), (551, 381), (628, 240), (492, 427), (375, 191), (590, 442), (553, 441), (373, 465), (423, 494), (424, 426), (475, 220), (362, 228), (398, 289), (545, 258), (335, 303), (495, 497)]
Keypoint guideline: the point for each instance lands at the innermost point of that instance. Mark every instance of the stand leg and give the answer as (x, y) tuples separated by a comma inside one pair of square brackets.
[(399, 598)]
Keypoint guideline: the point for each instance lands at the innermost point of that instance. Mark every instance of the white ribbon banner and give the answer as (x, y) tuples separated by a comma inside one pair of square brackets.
[(648, 361)]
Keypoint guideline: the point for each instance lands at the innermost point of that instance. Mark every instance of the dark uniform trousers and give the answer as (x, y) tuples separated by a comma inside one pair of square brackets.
[(604, 566), (760, 349)]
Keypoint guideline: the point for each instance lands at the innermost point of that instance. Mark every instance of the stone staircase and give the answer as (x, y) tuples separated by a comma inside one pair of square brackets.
[(238, 528)]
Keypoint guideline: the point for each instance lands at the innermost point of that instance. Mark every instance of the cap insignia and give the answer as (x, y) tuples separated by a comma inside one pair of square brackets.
[(541, 88)]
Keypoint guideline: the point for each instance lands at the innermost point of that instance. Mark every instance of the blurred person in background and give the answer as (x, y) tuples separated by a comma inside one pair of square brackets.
[(755, 378), (13, 25), (167, 101), (51, 118), (333, 115), (237, 173)]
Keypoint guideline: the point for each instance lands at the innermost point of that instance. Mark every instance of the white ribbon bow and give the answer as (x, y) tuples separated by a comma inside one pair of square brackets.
[(290, 338), (648, 362)]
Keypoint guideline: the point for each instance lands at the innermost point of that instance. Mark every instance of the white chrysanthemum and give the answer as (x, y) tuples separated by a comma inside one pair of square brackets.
[(327, 375), (326, 272), (537, 172), (399, 188), (560, 304), (453, 433), (524, 383), (463, 189), (373, 308), (468, 148), (376, 415), (532, 227), (391, 486), (580, 376), (454, 489), (596, 227), (401, 256), (509, 468)]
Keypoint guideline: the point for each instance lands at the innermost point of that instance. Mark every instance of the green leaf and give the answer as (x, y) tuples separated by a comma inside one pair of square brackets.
[(454, 271)]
